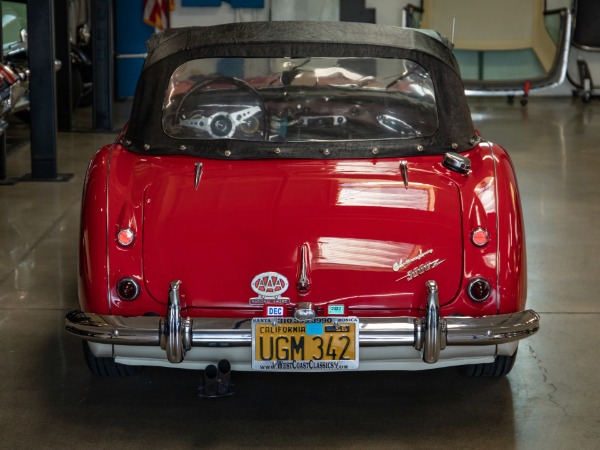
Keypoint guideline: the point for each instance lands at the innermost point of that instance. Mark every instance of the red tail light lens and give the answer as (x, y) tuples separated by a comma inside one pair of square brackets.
[(480, 237), (125, 237)]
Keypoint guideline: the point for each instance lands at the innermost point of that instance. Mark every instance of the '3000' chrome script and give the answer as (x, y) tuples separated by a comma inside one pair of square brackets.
[(414, 273)]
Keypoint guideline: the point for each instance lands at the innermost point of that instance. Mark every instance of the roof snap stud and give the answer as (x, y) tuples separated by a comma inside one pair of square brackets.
[(454, 145), (420, 148), (227, 153), (182, 147), (326, 152), (375, 150), (277, 151), (146, 147)]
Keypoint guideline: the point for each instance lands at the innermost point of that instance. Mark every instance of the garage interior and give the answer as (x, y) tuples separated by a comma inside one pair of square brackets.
[(550, 399)]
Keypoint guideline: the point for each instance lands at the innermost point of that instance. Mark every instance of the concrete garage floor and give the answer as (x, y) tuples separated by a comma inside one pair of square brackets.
[(48, 399)]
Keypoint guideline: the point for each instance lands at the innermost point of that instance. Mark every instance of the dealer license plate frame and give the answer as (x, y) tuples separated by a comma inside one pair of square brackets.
[(323, 327)]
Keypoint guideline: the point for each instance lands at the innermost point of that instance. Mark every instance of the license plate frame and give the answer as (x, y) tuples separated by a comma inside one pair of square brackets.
[(331, 333)]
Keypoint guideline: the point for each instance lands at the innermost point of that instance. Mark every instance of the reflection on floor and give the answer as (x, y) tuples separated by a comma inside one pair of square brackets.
[(550, 400)]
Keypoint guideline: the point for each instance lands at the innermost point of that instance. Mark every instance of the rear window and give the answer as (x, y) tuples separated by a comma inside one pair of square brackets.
[(299, 100)]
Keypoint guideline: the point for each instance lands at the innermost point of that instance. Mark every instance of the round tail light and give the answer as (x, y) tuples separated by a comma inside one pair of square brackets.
[(128, 289), (125, 237), (479, 290), (480, 237)]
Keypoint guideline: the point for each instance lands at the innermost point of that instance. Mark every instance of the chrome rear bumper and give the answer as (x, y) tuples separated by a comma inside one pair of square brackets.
[(176, 335)]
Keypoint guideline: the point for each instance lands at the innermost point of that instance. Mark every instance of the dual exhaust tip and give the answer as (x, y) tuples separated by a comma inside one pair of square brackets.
[(215, 381)]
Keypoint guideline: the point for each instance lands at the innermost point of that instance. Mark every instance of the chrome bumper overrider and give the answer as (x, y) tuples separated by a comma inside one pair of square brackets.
[(176, 335)]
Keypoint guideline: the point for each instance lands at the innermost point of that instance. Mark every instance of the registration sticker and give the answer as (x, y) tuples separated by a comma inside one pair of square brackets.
[(274, 310), (335, 310), (286, 344)]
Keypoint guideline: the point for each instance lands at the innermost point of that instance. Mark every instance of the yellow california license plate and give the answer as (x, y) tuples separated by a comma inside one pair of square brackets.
[(288, 345)]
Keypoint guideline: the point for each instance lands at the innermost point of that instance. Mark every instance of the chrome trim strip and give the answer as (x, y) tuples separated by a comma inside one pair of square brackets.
[(404, 170), (303, 284), (198, 174)]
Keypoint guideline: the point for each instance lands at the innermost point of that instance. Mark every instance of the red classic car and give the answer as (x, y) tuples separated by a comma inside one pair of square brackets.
[(301, 197)]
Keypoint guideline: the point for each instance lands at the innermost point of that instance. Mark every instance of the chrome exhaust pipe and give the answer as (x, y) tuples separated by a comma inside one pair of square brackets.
[(208, 382), (215, 381), (224, 386)]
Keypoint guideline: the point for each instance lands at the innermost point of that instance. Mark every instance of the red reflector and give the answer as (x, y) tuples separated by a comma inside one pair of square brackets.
[(125, 237), (480, 237)]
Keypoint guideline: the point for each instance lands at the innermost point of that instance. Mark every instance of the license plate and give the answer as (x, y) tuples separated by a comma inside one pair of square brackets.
[(285, 344)]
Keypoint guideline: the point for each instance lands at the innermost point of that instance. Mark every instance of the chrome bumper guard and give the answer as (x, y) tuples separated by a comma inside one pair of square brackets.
[(176, 335)]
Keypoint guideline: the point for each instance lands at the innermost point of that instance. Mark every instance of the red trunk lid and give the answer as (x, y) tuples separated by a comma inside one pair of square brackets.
[(370, 243)]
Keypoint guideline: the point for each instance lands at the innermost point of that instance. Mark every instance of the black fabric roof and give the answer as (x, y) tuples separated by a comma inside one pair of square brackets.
[(171, 48), (250, 34)]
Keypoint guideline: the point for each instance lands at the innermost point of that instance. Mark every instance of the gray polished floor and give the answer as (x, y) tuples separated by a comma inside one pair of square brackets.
[(551, 400)]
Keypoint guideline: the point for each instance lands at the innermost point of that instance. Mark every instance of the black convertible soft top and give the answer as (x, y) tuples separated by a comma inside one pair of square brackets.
[(171, 48)]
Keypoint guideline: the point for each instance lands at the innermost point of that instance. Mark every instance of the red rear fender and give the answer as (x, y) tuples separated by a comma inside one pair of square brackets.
[(93, 280)]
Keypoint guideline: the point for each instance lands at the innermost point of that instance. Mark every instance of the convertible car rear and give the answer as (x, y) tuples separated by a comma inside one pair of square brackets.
[(301, 197)]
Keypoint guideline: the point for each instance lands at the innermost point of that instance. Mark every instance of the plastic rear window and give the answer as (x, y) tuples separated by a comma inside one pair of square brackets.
[(299, 100)]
